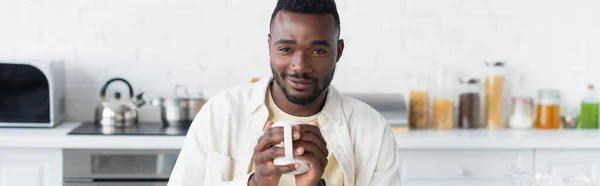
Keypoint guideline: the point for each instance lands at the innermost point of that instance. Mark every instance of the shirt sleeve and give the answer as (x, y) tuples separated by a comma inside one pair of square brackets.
[(387, 170), (191, 167)]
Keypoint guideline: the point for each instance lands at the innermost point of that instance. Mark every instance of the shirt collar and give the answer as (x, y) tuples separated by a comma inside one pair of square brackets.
[(332, 108)]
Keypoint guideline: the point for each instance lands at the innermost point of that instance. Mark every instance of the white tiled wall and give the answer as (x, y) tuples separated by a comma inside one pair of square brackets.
[(212, 45)]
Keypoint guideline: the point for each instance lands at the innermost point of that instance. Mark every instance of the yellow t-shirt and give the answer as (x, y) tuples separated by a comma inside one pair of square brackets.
[(333, 171)]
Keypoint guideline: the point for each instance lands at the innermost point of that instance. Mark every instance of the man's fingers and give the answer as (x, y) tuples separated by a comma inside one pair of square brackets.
[(268, 155), (312, 138), (272, 170), (269, 124), (282, 169), (312, 160), (311, 147), (303, 129), (270, 137)]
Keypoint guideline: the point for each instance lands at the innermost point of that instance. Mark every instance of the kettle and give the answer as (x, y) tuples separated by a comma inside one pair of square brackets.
[(118, 111)]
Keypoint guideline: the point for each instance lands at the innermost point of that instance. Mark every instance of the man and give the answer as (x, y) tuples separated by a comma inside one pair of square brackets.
[(345, 142)]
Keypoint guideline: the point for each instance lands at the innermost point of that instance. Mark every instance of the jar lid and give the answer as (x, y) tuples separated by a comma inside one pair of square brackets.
[(523, 100), (469, 80), (496, 64), (548, 94)]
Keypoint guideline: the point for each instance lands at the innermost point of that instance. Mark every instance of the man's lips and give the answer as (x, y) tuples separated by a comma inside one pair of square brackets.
[(300, 84)]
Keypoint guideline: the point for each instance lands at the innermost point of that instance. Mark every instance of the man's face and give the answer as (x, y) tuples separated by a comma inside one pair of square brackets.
[(304, 50)]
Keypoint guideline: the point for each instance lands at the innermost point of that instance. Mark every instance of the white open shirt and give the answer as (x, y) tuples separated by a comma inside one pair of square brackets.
[(220, 142)]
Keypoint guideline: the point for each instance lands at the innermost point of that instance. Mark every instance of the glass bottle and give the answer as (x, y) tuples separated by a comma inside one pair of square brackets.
[(418, 117), (494, 95), (469, 103), (548, 110), (588, 119), (443, 106)]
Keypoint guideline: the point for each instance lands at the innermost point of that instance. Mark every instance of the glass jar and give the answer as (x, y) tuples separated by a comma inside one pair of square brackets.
[(570, 118), (494, 93), (469, 103), (521, 116), (443, 105), (548, 110), (418, 117)]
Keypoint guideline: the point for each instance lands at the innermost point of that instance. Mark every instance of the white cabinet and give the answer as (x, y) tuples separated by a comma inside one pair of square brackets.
[(30, 167), (567, 163), (461, 167)]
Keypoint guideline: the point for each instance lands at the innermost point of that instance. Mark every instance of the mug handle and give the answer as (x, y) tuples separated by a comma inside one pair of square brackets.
[(287, 141)]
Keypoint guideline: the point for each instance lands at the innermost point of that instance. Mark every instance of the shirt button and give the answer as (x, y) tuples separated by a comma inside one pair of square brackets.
[(350, 179), (323, 118), (337, 145)]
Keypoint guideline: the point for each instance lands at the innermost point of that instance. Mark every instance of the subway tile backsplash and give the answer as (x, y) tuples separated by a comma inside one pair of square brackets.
[(213, 45)]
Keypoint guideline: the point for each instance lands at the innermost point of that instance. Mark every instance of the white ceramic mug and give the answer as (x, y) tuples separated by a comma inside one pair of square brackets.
[(289, 150)]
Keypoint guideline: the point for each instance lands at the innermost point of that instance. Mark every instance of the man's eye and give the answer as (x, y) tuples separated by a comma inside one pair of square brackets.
[(319, 51), (285, 49)]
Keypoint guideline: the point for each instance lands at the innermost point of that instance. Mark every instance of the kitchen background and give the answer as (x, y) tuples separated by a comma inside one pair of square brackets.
[(212, 45)]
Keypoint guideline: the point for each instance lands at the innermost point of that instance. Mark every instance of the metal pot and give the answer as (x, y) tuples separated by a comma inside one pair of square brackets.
[(179, 111)]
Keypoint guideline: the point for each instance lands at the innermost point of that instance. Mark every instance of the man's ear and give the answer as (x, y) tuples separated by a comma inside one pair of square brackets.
[(340, 50), (269, 42)]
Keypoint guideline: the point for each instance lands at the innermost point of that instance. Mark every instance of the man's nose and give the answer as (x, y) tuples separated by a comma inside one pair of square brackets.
[(301, 63)]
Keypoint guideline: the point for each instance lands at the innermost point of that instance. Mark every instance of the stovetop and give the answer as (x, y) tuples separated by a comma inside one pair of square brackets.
[(143, 128)]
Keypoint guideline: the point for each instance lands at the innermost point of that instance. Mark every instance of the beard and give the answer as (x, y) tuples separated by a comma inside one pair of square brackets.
[(303, 100)]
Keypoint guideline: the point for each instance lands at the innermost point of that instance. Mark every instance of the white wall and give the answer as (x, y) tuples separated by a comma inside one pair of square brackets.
[(217, 44)]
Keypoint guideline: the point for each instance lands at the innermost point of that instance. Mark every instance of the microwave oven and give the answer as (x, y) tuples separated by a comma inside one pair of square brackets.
[(32, 93)]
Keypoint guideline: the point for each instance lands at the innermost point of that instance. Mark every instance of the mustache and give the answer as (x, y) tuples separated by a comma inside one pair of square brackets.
[(298, 76)]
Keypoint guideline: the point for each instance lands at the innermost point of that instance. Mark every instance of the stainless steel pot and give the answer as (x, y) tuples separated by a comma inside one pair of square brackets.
[(179, 111)]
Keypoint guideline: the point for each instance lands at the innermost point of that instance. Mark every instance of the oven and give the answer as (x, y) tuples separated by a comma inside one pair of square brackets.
[(112, 167)]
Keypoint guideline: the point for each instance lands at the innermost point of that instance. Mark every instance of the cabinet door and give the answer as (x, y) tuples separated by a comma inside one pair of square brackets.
[(461, 167), (30, 167), (563, 163)]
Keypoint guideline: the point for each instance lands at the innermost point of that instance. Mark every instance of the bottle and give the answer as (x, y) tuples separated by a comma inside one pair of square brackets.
[(588, 118), (443, 106), (469, 104), (548, 110), (494, 95)]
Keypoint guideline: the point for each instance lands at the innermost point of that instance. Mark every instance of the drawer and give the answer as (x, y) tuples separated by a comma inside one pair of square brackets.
[(562, 163), (419, 165), (459, 183)]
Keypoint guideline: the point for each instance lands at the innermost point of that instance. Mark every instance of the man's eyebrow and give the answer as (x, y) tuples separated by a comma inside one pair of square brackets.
[(285, 41), (320, 42)]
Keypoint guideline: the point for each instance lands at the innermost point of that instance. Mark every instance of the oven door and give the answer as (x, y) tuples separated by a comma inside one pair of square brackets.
[(105, 167), (118, 184)]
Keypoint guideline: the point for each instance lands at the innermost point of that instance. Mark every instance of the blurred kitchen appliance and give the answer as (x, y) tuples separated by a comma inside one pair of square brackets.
[(32, 93), (143, 128), (118, 167), (392, 106)]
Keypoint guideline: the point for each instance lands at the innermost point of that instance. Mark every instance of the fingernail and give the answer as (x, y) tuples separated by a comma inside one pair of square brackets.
[(282, 144), (297, 166), (298, 150), (296, 135)]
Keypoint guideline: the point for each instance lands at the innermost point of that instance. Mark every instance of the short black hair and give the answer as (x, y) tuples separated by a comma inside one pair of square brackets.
[(308, 7)]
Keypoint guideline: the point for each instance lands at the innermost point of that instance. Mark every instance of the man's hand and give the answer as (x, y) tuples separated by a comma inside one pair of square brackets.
[(266, 172), (312, 148)]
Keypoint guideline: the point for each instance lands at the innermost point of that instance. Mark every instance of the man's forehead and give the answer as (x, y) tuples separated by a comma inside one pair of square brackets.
[(286, 22)]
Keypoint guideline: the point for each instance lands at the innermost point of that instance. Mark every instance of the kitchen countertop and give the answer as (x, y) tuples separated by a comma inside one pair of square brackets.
[(57, 138), (424, 139), (499, 139)]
